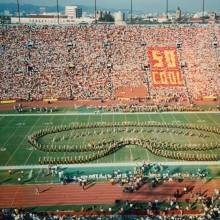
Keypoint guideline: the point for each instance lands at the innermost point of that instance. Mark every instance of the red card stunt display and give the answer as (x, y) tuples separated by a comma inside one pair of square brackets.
[(164, 66)]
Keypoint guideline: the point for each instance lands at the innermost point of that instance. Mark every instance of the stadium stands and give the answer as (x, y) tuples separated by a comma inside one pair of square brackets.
[(92, 62)]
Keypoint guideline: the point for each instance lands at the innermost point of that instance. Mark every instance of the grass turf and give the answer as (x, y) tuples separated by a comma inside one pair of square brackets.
[(15, 150)]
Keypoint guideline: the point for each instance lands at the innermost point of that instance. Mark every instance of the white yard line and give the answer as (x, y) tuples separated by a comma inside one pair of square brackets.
[(199, 123), (19, 145), (9, 138), (39, 172), (84, 138), (157, 138), (62, 123), (97, 161), (72, 132), (114, 128), (32, 127), (171, 135), (187, 138), (215, 123), (143, 135), (130, 150)]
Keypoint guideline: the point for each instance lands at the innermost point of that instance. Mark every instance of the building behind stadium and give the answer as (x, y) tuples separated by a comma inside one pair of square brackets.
[(73, 15)]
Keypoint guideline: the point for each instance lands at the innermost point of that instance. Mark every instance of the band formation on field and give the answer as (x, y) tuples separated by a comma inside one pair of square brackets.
[(110, 137)]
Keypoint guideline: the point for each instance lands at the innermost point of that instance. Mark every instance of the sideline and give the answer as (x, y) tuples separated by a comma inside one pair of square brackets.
[(105, 113), (99, 165)]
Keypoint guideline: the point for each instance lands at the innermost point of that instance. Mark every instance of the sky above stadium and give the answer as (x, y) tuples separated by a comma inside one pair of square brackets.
[(146, 5)]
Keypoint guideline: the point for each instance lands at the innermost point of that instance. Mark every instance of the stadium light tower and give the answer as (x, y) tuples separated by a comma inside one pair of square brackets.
[(131, 11), (167, 8), (18, 10), (58, 16), (95, 10), (203, 9)]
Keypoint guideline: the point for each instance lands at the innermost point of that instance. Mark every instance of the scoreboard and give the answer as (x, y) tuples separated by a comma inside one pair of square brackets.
[(164, 66)]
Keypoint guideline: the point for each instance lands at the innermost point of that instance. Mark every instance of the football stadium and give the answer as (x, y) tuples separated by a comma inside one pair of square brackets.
[(109, 120)]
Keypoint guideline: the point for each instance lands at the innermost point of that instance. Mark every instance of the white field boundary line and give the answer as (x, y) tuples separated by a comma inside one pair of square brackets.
[(93, 165), (108, 113), (20, 144)]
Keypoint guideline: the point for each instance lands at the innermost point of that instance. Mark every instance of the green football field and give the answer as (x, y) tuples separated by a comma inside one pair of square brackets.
[(15, 129)]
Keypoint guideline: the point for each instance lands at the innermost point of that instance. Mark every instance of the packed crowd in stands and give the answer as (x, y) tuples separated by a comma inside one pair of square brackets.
[(15, 214), (91, 62)]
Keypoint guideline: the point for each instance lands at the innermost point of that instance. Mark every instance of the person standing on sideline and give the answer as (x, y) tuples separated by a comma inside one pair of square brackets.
[(37, 191)]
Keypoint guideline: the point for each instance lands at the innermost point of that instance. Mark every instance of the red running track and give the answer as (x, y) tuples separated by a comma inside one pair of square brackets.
[(99, 193)]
